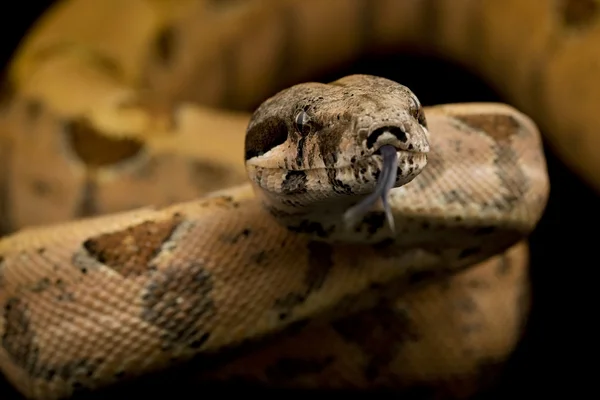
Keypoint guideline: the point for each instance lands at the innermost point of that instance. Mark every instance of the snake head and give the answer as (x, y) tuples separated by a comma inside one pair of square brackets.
[(314, 150)]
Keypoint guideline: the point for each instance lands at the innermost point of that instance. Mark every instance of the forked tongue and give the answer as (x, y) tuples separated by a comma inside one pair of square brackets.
[(385, 183)]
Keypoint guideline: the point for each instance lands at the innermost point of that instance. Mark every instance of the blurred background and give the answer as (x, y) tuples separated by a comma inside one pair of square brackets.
[(559, 349)]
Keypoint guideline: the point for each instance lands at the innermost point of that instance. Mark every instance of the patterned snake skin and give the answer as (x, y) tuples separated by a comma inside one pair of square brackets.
[(177, 249)]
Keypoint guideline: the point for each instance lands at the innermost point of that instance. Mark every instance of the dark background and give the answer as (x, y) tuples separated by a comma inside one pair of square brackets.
[(559, 351)]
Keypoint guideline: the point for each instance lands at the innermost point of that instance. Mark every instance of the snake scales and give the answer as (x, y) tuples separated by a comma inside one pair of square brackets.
[(123, 104)]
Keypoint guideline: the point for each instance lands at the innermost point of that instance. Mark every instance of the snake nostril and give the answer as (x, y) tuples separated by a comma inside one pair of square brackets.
[(394, 130)]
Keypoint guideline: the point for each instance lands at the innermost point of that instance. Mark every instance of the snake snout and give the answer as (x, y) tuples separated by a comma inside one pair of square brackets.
[(390, 135)]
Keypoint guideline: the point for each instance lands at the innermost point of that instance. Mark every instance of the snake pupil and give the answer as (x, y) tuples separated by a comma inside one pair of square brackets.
[(303, 123)]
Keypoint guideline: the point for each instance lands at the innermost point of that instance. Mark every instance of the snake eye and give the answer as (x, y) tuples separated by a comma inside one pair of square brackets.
[(302, 122), (415, 105), (417, 111)]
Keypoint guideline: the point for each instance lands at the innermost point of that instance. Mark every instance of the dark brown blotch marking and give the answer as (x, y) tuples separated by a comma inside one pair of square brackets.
[(578, 14), (510, 174), (130, 251), (294, 183), (373, 222), (179, 302), (18, 340), (279, 213), (499, 126), (308, 227), (380, 333), (165, 43), (226, 202), (287, 369), (66, 297), (456, 196), (502, 128), (286, 304), (264, 136), (63, 294), (320, 263), (97, 150), (338, 185), (209, 176), (330, 137), (78, 372)]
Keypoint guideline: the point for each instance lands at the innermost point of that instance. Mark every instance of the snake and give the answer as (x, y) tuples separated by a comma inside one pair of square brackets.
[(340, 235)]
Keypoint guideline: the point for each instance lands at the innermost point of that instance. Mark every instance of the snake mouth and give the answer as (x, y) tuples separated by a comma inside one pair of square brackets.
[(388, 179), (400, 152), (385, 182)]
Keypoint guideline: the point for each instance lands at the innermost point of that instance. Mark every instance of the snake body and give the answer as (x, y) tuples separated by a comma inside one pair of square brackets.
[(124, 104)]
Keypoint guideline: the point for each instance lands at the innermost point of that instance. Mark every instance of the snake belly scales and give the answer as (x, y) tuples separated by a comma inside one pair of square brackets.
[(158, 226)]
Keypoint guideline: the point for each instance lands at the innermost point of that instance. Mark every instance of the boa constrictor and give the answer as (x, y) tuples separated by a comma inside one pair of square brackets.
[(124, 104)]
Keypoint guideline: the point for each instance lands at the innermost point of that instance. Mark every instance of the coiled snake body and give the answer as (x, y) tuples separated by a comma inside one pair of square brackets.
[(424, 283)]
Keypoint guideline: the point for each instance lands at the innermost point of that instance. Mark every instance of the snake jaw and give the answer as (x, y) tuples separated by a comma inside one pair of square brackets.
[(385, 183)]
